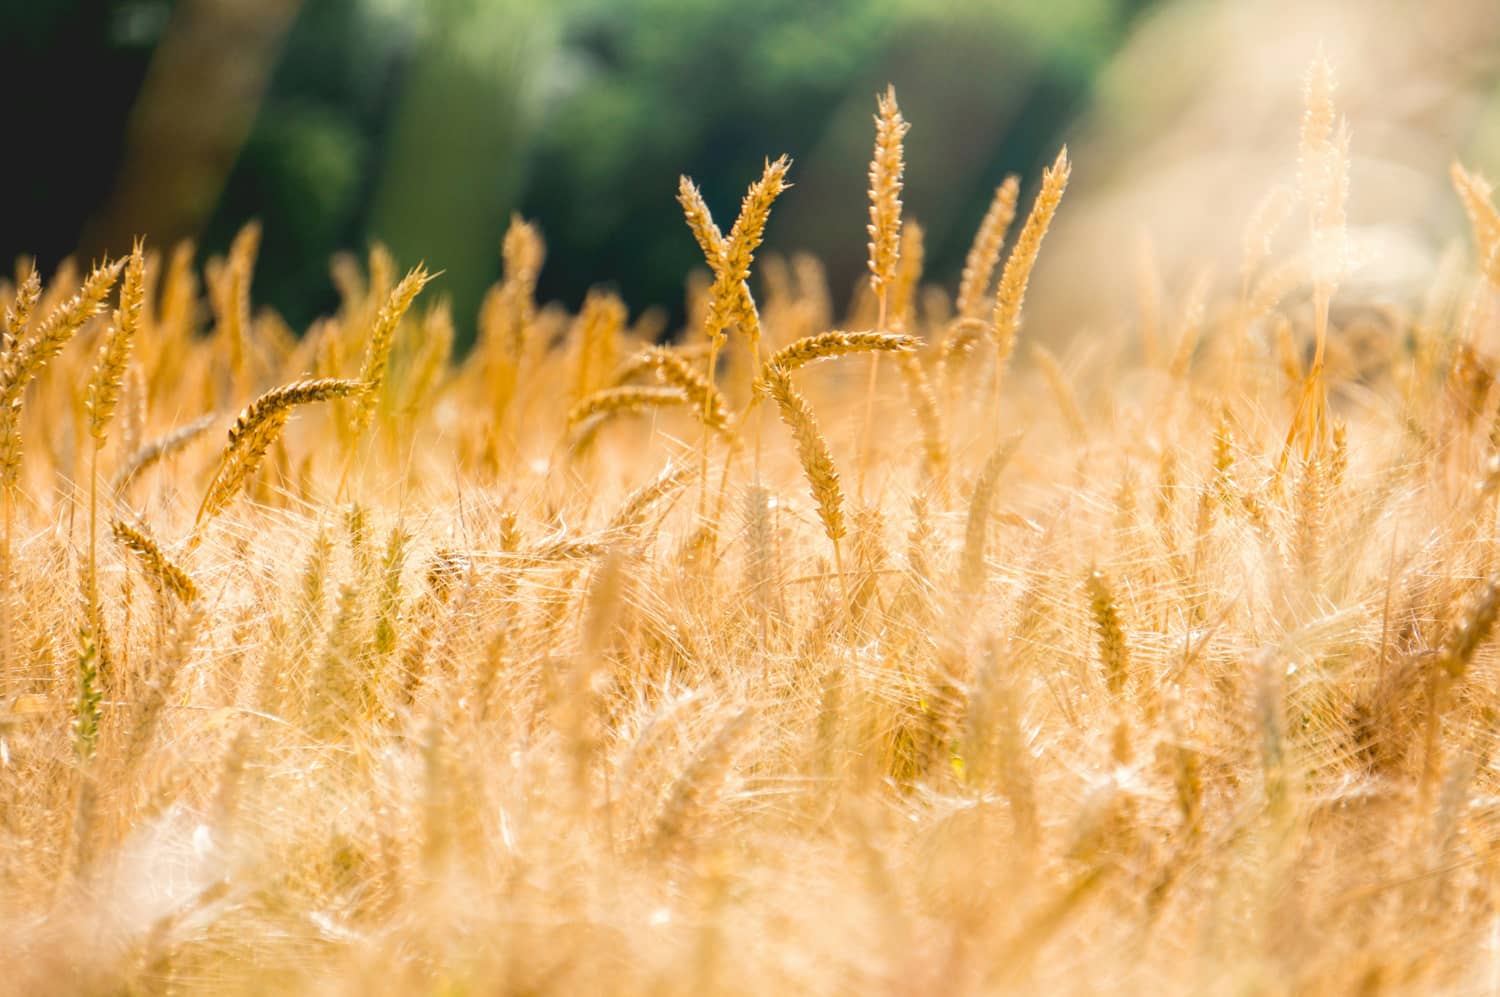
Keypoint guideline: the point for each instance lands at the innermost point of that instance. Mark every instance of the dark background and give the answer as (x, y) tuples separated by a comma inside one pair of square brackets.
[(426, 123)]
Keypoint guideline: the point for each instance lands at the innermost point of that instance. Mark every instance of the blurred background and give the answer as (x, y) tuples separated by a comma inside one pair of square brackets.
[(426, 123)]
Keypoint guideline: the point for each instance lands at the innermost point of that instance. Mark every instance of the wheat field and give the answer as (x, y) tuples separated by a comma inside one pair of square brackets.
[(907, 650)]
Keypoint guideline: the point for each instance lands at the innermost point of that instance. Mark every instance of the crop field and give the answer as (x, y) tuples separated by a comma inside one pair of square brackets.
[(903, 647)]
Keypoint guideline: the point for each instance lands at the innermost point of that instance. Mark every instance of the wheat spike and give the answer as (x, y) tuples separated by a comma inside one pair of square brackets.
[(630, 398), (148, 709), (179, 295), (971, 570), (27, 357), (382, 337), (600, 323), (730, 256), (114, 352), (701, 223), (88, 670), (750, 227), (1062, 390), (234, 300), (827, 345), (700, 782), (18, 312), (639, 502), (675, 372), (509, 309), (1317, 132), (1114, 653), (522, 250), (984, 253), (1265, 219), (252, 434), (886, 168), (167, 573), (812, 450), (1017, 273), (925, 405), (425, 376), (901, 305), (153, 451), (743, 240), (1472, 630), (1484, 219)]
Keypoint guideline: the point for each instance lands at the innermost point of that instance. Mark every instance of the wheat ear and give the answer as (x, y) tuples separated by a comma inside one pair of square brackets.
[(1114, 653), (1323, 181), (252, 434), (1453, 658), (887, 165), (1010, 295), (148, 454), (744, 239), (28, 356), (1484, 219), (827, 345), (522, 251), (114, 352), (701, 223), (971, 569), (699, 784), (633, 510), (984, 253), (817, 460), (629, 398), (18, 312), (234, 301), (382, 338), (168, 574), (929, 419), (675, 372), (730, 259), (103, 393)]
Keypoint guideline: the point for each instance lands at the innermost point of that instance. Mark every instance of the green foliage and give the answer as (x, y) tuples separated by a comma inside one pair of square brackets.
[(444, 118)]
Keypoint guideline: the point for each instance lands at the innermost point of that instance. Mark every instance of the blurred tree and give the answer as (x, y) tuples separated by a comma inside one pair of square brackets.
[(425, 123), (455, 158), (310, 167), (659, 87), (191, 119)]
